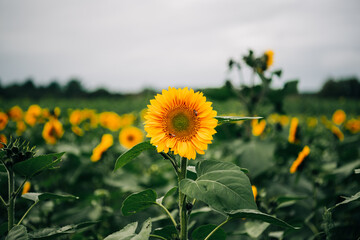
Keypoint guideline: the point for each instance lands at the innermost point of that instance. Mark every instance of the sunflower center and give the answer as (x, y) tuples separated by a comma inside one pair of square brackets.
[(130, 138), (181, 123)]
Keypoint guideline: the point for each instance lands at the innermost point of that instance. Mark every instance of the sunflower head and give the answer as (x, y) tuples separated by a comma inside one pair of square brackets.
[(339, 117), (130, 136), (53, 130), (182, 121), (16, 113), (3, 120)]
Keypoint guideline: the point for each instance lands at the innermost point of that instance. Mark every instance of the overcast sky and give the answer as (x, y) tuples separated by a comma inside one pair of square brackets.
[(128, 45)]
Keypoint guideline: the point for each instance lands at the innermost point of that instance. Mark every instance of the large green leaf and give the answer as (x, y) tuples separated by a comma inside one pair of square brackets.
[(222, 185), (37, 164), (126, 157), (128, 232), (257, 157), (256, 214), (17, 233), (203, 231), (255, 228), (53, 232), (47, 196), (138, 201), (225, 119)]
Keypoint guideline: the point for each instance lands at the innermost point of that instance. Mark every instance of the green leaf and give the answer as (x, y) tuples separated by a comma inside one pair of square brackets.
[(226, 119), (52, 233), (203, 231), (222, 185), (47, 196), (168, 232), (138, 201), (37, 164), (126, 157), (348, 199), (128, 232), (348, 168), (2, 154), (256, 214), (17, 233), (257, 157), (357, 171), (169, 193), (255, 228)]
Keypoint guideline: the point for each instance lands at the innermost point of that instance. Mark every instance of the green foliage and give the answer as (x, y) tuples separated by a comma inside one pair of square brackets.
[(128, 232), (126, 157), (227, 119), (138, 201), (51, 233), (223, 186), (37, 164), (37, 197), (203, 231), (17, 233)]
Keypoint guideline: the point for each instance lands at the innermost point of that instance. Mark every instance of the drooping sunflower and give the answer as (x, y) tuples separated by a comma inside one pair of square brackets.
[(293, 130), (302, 155), (269, 58), (106, 142), (130, 136), (182, 121)]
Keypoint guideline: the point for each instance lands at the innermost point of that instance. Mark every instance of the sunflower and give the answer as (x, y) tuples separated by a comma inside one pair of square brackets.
[(16, 113), (3, 120), (182, 121), (26, 187), (337, 132), (339, 117), (293, 129), (20, 127), (3, 139), (53, 130), (254, 190), (106, 142), (302, 155), (269, 54), (130, 136), (353, 125), (258, 127), (32, 114)]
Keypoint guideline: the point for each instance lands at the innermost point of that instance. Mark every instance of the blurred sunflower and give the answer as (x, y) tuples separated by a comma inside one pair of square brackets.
[(337, 132), (106, 142), (293, 130), (32, 114), (20, 127), (53, 130), (258, 127), (26, 187), (353, 125), (254, 190), (339, 117), (110, 120), (302, 155), (76, 117), (3, 120), (77, 130), (3, 139), (269, 55), (182, 121), (130, 136), (16, 113)]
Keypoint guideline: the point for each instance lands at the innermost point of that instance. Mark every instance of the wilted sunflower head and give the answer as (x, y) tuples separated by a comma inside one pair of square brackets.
[(182, 121)]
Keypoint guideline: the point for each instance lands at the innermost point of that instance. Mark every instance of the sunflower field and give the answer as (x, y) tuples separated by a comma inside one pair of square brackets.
[(247, 162)]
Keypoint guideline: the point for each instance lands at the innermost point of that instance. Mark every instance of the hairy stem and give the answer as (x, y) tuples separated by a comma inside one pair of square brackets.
[(11, 202), (182, 201)]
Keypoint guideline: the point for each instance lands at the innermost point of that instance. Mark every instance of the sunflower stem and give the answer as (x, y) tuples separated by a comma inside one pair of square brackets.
[(11, 202), (215, 229), (182, 201)]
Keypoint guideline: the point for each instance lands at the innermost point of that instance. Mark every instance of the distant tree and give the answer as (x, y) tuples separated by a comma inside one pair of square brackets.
[(74, 89), (345, 87), (53, 89)]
